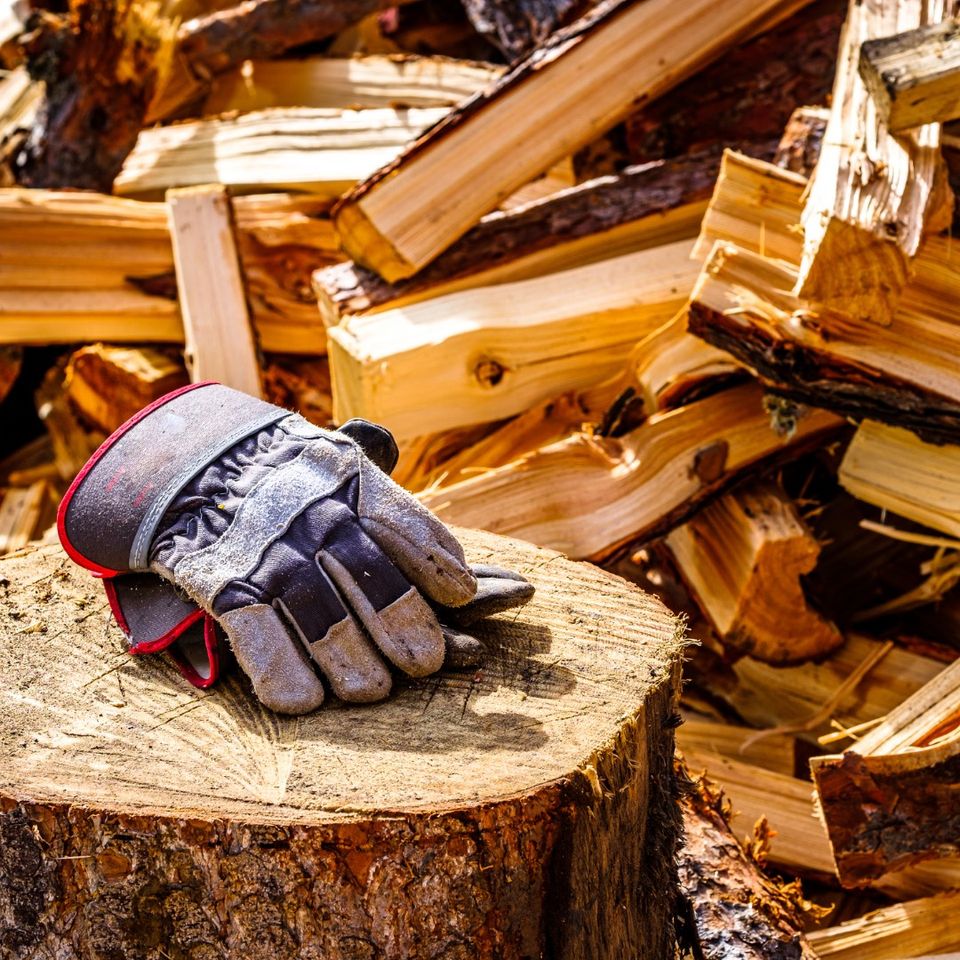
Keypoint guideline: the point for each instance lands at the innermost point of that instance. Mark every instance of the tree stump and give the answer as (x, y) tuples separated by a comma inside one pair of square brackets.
[(523, 810)]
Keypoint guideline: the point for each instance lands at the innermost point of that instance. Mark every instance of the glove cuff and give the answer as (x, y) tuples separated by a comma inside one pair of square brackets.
[(110, 513)]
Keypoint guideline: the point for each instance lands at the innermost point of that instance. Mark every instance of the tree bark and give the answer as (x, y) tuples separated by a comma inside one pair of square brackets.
[(516, 28), (526, 809)]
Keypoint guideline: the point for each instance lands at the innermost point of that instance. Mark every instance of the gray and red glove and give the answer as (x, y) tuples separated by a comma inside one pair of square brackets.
[(290, 537)]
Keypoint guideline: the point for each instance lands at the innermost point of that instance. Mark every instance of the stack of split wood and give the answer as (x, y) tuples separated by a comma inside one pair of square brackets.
[(666, 287)]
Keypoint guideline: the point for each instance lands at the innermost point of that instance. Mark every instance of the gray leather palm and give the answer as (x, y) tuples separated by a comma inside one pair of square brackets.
[(305, 551)]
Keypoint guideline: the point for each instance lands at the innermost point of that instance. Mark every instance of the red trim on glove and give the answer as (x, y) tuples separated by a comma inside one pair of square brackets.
[(146, 646), (211, 643), (72, 551)]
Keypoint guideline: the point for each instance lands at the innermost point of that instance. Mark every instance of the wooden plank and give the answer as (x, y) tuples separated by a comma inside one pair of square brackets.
[(588, 495), (411, 211), (219, 340), (297, 148), (636, 209), (894, 469), (495, 351), (873, 194), (914, 76), (342, 83)]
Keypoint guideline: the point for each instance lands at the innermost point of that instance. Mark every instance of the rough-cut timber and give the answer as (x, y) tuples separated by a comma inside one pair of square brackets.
[(895, 470), (111, 68), (525, 809), (78, 266), (297, 148), (410, 211), (732, 908), (493, 352), (639, 207), (873, 194), (914, 77), (371, 82), (516, 28), (108, 385), (743, 557), (912, 929), (890, 799), (588, 495), (220, 344), (904, 374)]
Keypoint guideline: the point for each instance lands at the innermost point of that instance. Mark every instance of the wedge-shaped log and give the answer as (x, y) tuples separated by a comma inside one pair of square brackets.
[(488, 815), (415, 208), (873, 194), (890, 800), (894, 469), (219, 341), (904, 374), (587, 496), (733, 909), (11, 360), (108, 384), (914, 77), (496, 351), (743, 557), (912, 929), (321, 151), (344, 83), (639, 208), (24, 514)]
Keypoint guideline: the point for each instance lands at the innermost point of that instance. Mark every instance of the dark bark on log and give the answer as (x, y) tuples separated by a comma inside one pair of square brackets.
[(587, 209), (809, 374), (101, 77), (260, 29), (747, 95), (464, 818), (732, 909), (93, 108), (515, 28), (799, 147), (884, 820)]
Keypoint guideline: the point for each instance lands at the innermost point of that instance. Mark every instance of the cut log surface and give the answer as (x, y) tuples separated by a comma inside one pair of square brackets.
[(914, 77), (410, 211), (525, 809)]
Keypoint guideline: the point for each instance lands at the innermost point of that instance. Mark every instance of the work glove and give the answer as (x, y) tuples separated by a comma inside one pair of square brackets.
[(290, 537)]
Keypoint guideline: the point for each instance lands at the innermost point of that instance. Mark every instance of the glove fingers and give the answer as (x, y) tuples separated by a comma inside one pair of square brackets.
[(395, 614), (335, 641), (427, 553), (196, 653), (463, 651), (276, 664), (497, 590)]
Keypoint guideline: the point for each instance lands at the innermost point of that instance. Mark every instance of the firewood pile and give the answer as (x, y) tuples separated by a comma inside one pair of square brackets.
[(670, 287)]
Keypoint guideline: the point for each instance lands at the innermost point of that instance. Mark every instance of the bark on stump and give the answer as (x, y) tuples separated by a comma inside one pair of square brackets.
[(525, 810)]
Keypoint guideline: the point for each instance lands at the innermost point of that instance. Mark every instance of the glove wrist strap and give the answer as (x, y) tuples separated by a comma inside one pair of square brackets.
[(110, 514)]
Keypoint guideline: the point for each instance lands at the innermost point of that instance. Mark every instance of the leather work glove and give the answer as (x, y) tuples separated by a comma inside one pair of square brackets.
[(305, 553)]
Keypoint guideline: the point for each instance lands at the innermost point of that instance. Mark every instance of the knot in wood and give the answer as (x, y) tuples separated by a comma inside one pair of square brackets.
[(489, 372)]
